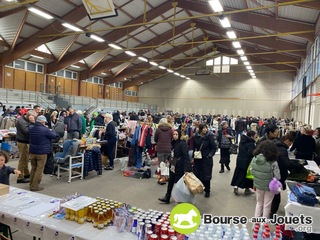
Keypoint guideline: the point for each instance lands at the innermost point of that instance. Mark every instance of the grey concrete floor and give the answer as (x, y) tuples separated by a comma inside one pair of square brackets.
[(144, 193)]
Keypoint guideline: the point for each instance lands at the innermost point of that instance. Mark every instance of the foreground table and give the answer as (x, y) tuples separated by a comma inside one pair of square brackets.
[(29, 212), (297, 209)]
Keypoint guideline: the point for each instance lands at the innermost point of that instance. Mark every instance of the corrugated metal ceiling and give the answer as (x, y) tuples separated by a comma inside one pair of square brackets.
[(130, 10)]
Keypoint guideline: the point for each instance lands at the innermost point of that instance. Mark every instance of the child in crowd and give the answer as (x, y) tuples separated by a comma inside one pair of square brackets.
[(264, 168), (5, 171)]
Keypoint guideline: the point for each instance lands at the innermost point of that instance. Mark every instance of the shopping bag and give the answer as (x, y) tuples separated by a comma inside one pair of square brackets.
[(249, 175), (233, 148), (181, 193), (193, 183)]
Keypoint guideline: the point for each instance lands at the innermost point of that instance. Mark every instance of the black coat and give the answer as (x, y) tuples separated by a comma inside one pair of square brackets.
[(304, 145), (203, 167), (245, 155), (181, 152), (283, 161)]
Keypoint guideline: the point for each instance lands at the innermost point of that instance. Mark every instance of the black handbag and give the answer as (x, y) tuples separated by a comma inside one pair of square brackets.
[(233, 148)]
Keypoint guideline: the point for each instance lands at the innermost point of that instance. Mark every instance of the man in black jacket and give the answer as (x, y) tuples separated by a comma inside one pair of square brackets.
[(110, 135)]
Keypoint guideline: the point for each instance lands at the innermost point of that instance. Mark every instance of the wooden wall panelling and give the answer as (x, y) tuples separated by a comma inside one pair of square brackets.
[(83, 89), (100, 91), (8, 77), (51, 84), (67, 86), (107, 90), (74, 87), (39, 81), (60, 85), (89, 89), (31, 79), (95, 90), (19, 81)]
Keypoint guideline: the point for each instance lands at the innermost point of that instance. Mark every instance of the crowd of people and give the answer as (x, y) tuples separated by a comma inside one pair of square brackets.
[(263, 146)]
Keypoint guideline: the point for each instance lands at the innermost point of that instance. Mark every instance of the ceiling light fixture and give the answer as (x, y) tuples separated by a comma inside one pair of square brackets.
[(71, 27), (183, 76), (246, 63), (178, 74), (74, 66), (216, 5), (236, 44), (250, 71), (114, 46), (35, 56), (170, 71), (231, 34), (97, 38), (40, 13), (162, 67), (154, 63), (103, 74), (244, 58), (240, 52), (249, 67), (132, 54), (143, 59), (188, 78), (224, 21)]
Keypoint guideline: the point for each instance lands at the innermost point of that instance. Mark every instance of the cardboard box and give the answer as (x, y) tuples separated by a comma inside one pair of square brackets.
[(4, 189)]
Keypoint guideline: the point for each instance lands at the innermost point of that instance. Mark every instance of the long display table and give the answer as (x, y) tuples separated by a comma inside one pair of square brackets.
[(31, 213)]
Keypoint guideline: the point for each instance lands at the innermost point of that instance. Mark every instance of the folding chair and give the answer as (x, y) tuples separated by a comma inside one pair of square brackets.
[(70, 159)]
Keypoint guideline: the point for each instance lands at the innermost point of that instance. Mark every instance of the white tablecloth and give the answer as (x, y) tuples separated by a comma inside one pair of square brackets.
[(29, 212)]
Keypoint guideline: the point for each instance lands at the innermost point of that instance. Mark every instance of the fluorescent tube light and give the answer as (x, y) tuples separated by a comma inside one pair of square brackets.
[(114, 46), (34, 56), (74, 66), (188, 78), (236, 44), (178, 74), (40, 13), (132, 54), (170, 71), (154, 63), (231, 34), (71, 27), (183, 76), (250, 71), (224, 22), (162, 67), (143, 59), (249, 67), (240, 52), (244, 58), (103, 74), (216, 5), (246, 63), (97, 38)]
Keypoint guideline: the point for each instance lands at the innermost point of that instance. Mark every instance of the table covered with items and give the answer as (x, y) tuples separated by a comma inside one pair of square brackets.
[(44, 216), (303, 200)]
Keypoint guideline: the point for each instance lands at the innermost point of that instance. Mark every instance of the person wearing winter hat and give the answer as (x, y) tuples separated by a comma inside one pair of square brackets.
[(40, 146), (224, 139)]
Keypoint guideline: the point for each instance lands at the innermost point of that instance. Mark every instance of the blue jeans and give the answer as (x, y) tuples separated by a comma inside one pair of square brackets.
[(237, 135)]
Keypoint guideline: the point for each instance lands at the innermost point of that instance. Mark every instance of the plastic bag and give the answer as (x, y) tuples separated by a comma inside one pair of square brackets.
[(249, 174), (181, 193)]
